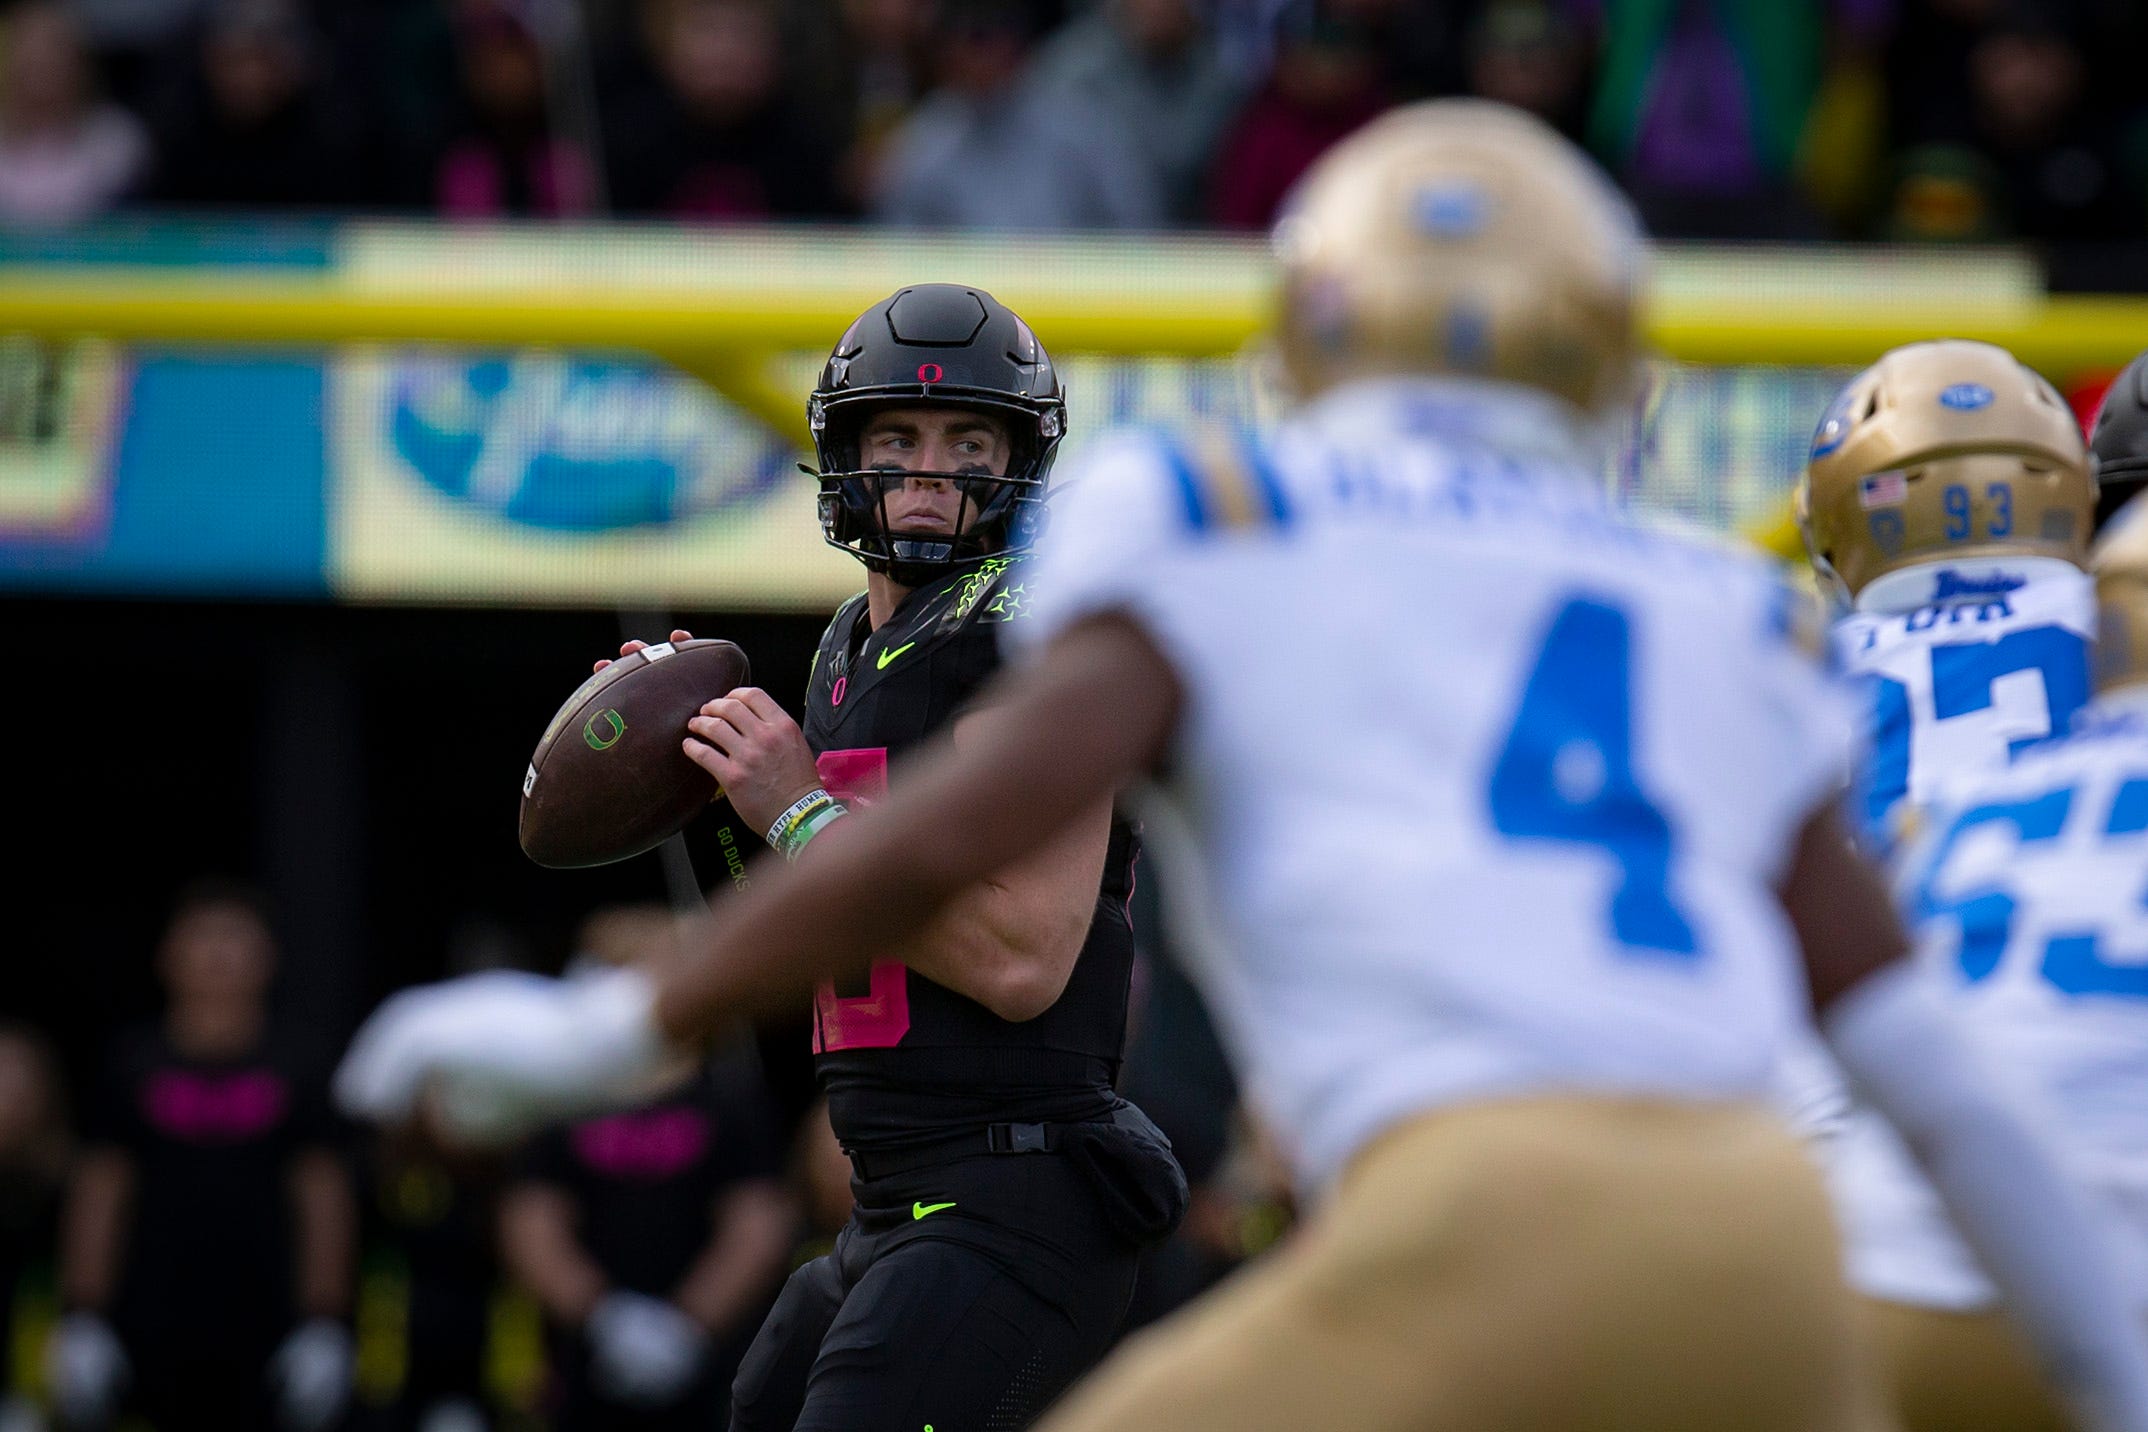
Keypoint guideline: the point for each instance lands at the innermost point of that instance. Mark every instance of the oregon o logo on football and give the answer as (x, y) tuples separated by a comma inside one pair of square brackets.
[(603, 730)]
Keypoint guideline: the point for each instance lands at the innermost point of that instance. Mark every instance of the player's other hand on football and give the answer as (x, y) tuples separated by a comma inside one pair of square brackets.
[(756, 753), (488, 1058), (628, 648)]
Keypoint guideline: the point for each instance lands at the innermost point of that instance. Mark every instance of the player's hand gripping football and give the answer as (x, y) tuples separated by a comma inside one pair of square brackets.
[(488, 1058), (750, 745)]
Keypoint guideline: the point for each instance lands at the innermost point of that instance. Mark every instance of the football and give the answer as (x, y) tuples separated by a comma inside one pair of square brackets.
[(608, 779)]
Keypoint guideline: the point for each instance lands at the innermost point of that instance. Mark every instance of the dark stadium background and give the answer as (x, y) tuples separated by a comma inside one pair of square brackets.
[(365, 764)]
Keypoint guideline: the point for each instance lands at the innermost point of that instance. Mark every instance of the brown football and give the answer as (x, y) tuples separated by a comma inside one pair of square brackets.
[(609, 779)]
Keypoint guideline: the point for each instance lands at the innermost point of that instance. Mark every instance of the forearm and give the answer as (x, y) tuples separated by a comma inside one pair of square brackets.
[(327, 1234), (754, 1230), (93, 1229), (2033, 1231), (976, 945), (537, 1244), (1009, 941)]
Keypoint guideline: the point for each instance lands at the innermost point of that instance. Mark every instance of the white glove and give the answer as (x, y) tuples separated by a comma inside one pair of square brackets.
[(500, 1054), (88, 1369), (311, 1374), (643, 1350)]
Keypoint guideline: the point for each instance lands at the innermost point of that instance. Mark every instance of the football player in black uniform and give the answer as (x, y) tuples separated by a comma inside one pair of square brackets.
[(2119, 439), (1003, 1189)]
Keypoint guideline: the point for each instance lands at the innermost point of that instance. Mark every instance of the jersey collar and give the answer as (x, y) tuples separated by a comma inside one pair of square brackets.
[(1971, 579)]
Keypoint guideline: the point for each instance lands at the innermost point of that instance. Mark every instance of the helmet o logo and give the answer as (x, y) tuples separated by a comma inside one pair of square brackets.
[(1966, 396), (930, 373)]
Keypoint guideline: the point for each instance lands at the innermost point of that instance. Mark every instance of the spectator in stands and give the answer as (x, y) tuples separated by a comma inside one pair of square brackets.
[(131, 38), (1146, 65), (654, 1238), (65, 155), (992, 149), (1324, 84), (1420, 44), (501, 156), (254, 122), (2060, 174), (207, 1242), (1701, 109), (430, 1233), (1942, 194), (862, 66), (1528, 53), (33, 1164), (718, 135)]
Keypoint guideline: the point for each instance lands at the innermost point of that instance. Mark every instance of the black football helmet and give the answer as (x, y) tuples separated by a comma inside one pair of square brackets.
[(2119, 439), (936, 344)]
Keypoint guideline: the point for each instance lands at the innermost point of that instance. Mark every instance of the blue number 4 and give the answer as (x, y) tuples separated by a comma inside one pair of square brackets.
[(1566, 772)]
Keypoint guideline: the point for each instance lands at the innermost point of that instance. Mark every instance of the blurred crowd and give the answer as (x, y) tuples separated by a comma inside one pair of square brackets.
[(1934, 120), (191, 1237)]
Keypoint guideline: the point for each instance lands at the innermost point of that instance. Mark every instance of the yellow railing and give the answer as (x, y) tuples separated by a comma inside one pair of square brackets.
[(721, 305)]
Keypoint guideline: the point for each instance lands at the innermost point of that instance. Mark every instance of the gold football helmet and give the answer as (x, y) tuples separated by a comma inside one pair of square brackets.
[(2120, 562), (1944, 449), (1465, 237)]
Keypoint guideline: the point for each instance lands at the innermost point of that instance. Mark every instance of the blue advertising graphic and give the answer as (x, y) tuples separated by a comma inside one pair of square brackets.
[(574, 445)]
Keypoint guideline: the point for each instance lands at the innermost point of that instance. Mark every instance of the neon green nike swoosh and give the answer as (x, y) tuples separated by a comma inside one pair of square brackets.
[(919, 1210), (880, 662)]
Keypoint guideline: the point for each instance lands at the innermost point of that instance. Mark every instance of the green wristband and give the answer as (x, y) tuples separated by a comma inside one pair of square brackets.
[(816, 821)]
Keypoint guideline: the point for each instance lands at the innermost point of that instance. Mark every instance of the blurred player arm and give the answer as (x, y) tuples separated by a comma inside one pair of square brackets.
[(327, 1223), (1066, 732), (1010, 940), (538, 1244), (754, 1225), (93, 1229), (2031, 1228)]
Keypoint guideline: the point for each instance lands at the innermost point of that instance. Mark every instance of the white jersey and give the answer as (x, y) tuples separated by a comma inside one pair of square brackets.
[(1487, 785), (1965, 664), (1968, 663), (2029, 889)]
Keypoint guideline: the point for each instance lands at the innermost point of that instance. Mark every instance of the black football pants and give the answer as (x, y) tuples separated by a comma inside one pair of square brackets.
[(962, 1297)]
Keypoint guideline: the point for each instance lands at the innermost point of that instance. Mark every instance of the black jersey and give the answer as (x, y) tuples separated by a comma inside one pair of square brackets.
[(210, 1251), (903, 1059)]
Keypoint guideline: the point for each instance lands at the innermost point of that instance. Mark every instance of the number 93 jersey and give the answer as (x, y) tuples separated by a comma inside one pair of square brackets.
[(2028, 893), (1968, 664), (1486, 786)]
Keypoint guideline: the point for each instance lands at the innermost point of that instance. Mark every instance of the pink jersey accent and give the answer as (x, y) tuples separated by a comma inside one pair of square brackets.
[(879, 1019)]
